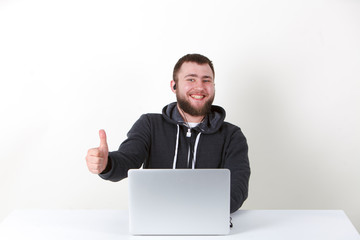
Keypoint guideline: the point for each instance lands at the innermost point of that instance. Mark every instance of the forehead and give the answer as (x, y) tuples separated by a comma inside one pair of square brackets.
[(194, 68)]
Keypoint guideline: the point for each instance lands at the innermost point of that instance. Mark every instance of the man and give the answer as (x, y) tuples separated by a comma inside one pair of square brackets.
[(190, 133)]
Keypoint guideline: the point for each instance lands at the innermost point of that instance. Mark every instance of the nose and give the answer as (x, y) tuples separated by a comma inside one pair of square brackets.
[(199, 85)]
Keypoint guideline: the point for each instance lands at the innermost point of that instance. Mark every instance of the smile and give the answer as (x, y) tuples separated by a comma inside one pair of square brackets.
[(197, 97)]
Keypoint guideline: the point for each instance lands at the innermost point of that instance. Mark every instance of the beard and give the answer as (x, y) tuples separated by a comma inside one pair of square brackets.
[(189, 109)]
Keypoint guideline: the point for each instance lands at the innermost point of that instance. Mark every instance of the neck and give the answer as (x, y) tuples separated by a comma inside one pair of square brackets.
[(189, 118)]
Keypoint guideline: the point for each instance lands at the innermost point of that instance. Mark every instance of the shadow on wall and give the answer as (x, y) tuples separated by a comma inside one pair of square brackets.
[(287, 149)]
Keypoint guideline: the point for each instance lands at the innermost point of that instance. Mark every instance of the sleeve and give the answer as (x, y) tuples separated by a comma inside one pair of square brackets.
[(237, 162), (132, 152)]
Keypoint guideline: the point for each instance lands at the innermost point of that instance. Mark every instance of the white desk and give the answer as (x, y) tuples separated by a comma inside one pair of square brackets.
[(113, 224)]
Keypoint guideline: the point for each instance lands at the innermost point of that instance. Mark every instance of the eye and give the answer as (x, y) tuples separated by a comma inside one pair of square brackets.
[(191, 80)]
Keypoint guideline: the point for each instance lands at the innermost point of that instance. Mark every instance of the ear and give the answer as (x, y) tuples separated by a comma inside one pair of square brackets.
[(172, 84)]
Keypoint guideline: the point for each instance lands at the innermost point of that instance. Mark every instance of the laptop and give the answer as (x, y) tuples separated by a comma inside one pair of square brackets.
[(179, 201)]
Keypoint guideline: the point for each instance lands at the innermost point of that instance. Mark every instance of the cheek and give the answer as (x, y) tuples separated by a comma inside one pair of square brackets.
[(186, 89), (211, 90), (181, 92)]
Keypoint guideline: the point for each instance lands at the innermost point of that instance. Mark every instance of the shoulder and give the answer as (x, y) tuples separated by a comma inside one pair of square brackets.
[(230, 127), (151, 119), (232, 130)]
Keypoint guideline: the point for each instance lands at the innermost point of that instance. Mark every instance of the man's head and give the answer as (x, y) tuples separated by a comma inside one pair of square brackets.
[(196, 58), (193, 83)]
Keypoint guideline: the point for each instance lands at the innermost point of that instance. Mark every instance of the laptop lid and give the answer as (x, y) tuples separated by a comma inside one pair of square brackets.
[(179, 201)]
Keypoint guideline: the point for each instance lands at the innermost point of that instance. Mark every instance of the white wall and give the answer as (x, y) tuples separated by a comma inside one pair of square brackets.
[(287, 72)]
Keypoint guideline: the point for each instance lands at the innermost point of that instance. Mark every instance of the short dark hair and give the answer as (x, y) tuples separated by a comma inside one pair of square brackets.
[(197, 58)]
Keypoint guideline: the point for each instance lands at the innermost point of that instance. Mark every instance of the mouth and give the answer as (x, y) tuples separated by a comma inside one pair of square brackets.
[(197, 96)]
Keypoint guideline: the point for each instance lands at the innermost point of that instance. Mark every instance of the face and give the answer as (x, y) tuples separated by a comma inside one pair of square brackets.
[(195, 88)]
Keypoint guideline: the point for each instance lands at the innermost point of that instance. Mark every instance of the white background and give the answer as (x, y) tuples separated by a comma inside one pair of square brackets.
[(287, 72)]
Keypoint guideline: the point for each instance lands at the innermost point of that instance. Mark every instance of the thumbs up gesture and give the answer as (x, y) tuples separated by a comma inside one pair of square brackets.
[(97, 158)]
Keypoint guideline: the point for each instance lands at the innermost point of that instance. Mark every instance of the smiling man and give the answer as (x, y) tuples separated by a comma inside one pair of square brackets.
[(195, 88), (190, 133)]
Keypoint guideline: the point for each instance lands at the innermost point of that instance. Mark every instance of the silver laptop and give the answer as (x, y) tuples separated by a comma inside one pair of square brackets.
[(179, 201)]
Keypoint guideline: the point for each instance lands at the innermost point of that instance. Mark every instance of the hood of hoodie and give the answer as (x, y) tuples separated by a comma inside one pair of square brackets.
[(211, 123)]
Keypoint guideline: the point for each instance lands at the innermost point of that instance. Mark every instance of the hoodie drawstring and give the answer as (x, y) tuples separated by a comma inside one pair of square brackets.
[(195, 148), (177, 146)]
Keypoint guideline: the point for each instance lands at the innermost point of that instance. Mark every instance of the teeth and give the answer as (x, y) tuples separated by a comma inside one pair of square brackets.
[(197, 96)]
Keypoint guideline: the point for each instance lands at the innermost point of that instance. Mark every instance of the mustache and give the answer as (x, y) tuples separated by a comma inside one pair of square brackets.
[(198, 93)]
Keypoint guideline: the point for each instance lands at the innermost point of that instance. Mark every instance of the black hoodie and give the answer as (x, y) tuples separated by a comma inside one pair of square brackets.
[(155, 138)]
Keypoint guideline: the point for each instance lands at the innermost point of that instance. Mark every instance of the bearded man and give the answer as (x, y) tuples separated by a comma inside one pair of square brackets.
[(190, 133)]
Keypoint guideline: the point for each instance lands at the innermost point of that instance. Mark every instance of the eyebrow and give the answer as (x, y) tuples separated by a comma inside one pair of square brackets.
[(195, 75)]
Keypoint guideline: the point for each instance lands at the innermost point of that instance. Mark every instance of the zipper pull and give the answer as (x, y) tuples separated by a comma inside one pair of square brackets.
[(188, 134)]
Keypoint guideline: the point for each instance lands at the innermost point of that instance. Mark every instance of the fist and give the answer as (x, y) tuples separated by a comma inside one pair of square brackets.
[(97, 158)]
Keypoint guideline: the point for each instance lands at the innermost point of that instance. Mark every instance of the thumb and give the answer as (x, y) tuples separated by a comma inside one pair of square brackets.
[(103, 142)]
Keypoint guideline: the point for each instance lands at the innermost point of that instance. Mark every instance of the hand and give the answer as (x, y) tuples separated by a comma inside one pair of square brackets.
[(97, 158)]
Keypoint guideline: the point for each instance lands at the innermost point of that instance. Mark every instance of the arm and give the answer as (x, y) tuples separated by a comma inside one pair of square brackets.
[(132, 152), (238, 162)]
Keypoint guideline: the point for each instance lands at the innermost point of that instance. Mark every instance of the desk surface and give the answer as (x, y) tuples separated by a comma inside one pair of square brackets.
[(113, 224)]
